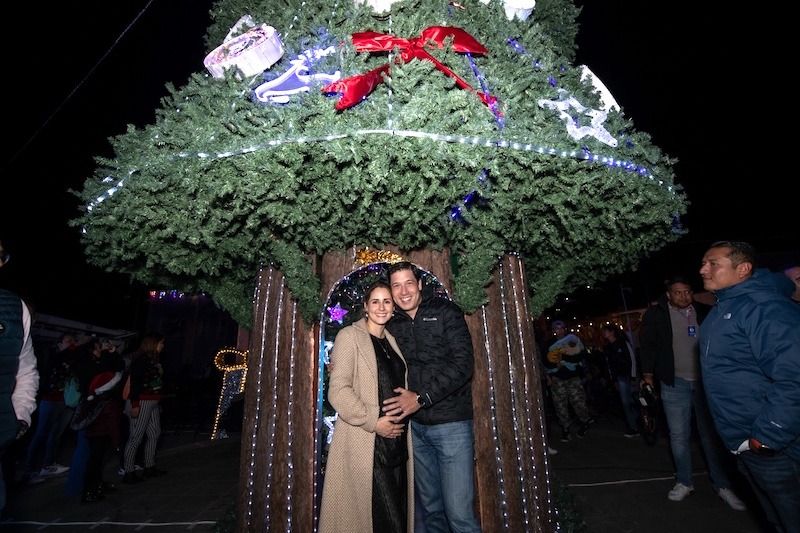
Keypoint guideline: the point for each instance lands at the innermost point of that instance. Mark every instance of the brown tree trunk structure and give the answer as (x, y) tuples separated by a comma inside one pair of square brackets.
[(512, 470), (279, 486)]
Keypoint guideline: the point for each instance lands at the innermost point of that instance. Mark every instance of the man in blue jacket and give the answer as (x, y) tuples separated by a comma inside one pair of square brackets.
[(750, 361), (433, 335)]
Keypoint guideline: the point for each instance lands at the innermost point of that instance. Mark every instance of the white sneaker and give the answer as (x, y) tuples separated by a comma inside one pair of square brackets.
[(53, 470), (136, 468), (552, 451), (730, 498), (679, 492)]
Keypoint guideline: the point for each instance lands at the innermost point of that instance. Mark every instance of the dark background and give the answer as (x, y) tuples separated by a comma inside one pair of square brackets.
[(712, 94)]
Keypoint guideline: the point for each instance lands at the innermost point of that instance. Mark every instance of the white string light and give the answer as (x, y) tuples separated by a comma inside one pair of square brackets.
[(460, 139)]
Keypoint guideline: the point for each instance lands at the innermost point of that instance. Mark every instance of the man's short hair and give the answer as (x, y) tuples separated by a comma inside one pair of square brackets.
[(403, 265), (740, 252), (675, 280), (558, 324)]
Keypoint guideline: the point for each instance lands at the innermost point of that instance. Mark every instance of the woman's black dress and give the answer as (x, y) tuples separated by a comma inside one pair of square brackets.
[(389, 476)]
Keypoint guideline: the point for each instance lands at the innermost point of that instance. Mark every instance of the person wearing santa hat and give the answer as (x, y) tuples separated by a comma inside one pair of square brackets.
[(101, 407)]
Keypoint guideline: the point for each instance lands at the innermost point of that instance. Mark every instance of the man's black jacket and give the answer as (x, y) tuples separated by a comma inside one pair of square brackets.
[(655, 340), (437, 347)]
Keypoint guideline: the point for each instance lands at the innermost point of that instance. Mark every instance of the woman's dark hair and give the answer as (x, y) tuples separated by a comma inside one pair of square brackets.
[(380, 284)]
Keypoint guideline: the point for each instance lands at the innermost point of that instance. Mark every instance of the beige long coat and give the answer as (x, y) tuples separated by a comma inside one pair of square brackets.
[(353, 392)]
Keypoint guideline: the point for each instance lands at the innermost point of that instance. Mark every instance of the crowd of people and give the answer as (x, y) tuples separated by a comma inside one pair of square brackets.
[(735, 382), (104, 425), (728, 373), (401, 382), (37, 388)]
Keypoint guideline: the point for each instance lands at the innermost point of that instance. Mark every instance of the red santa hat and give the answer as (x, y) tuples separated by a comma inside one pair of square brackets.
[(103, 382)]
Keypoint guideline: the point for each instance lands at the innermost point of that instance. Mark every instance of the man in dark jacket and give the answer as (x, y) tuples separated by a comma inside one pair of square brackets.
[(433, 336), (622, 365), (669, 339), (750, 356)]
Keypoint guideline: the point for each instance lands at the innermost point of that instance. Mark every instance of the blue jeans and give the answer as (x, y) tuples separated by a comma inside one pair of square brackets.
[(678, 402), (54, 415), (776, 482), (628, 406), (77, 467), (443, 476)]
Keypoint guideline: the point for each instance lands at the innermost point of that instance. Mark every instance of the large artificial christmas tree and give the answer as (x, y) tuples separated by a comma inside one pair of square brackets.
[(223, 182), (457, 133)]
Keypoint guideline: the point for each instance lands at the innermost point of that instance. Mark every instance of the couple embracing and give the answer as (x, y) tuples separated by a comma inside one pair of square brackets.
[(401, 383)]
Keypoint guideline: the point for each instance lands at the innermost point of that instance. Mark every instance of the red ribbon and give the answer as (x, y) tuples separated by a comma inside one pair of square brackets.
[(356, 88)]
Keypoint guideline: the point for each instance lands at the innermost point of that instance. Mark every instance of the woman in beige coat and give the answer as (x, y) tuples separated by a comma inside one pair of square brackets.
[(369, 478)]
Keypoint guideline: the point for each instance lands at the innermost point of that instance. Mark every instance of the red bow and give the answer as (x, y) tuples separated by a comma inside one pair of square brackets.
[(356, 88)]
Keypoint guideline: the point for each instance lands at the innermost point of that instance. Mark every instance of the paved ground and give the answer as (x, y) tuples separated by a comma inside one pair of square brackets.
[(197, 492), (618, 485)]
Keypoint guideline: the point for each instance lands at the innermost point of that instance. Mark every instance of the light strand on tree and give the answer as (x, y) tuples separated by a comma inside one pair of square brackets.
[(258, 379), (498, 456), (460, 139), (273, 422), (505, 297), (290, 417), (493, 106)]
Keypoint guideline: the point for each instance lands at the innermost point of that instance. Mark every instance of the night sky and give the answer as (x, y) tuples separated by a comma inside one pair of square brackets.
[(80, 74)]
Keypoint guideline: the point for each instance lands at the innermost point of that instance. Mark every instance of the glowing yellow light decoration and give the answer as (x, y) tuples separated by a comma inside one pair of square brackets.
[(365, 256), (233, 381)]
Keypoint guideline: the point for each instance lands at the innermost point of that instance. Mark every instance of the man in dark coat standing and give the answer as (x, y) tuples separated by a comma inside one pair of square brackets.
[(433, 335), (670, 351)]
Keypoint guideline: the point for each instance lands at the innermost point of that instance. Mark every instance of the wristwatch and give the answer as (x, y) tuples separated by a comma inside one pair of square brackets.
[(420, 400), (759, 449)]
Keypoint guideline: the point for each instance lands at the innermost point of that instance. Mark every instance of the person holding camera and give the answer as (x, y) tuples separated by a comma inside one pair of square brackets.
[(670, 351), (565, 357)]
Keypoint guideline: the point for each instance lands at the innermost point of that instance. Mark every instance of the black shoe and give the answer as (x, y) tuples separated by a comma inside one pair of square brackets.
[(631, 434), (154, 472), (91, 497), (582, 431), (106, 488), (131, 478), (566, 436)]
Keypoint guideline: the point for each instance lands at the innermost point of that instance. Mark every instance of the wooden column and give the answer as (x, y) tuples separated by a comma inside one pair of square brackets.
[(277, 466), (512, 471)]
